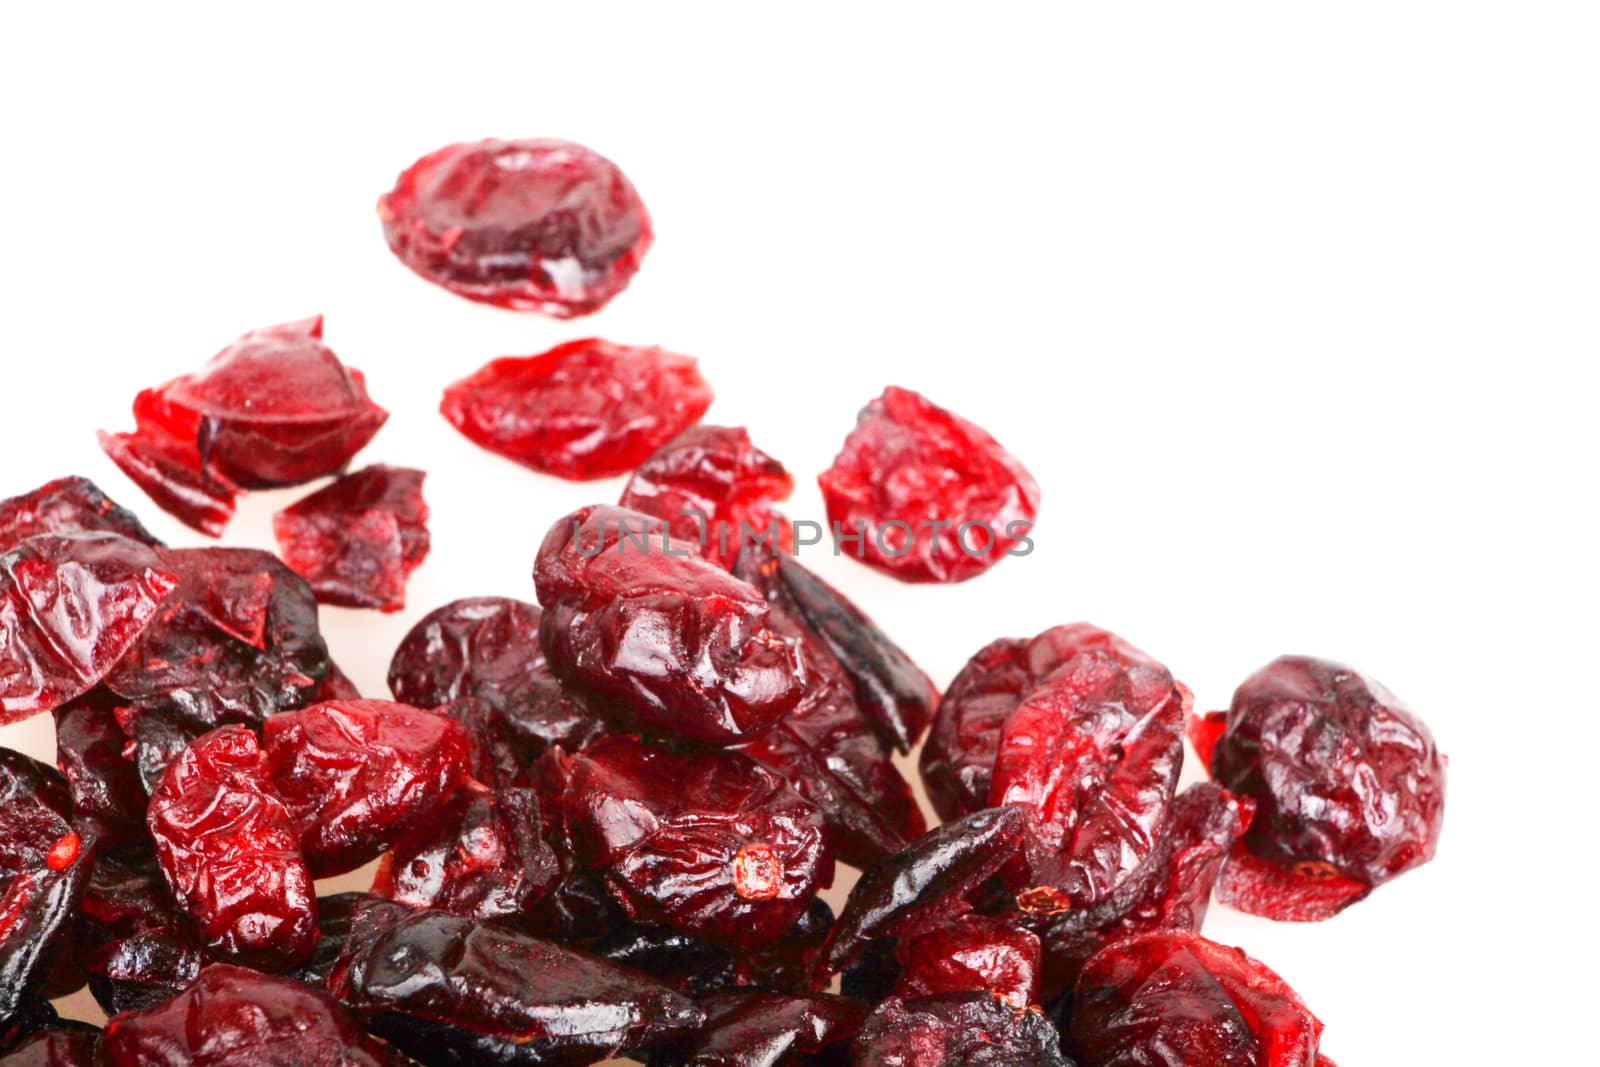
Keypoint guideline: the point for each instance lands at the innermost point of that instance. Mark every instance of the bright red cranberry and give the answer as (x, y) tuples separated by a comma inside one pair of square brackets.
[(67, 505), (535, 224), (172, 475), (972, 953), (932, 497), (585, 409), (957, 1030), (357, 540)]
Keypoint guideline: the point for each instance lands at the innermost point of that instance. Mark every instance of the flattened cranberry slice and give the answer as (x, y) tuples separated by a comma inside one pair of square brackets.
[(973, 953), (535, 224), (957, 1030), (172, 475), (584, 409), (935, 497), (67, 505), (357, 540)]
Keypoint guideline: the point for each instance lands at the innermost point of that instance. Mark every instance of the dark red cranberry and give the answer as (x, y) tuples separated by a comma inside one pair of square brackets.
[(106, 794), (1348, 784), (711, 486), (754, 1029), (67, 505), (585, 409), (973, 953), (230, 852), (660, 638), (1196, 1001), (710, 843), (65, 1044), (957, 1030), (234, 1017), (357, 540), (336, 685), (931, 497), (32, 1015), (172, 474), (71, 605), (138, 948)]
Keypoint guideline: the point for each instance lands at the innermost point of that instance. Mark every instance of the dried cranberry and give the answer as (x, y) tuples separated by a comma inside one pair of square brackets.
[(1348, 783), (711, 843), (106, 794), (172, 474), (357, 540), (660, 638), (957, 1030), (710, 485), (585, 409), (336, 685), (67, 505), (234, 1017), (535, 224), (70, 606), (932, 497), (357, 776), (62, 1044), (138, 948), (754, 1029), (230, 852), (973, 953), (32, 1015), (1195, 1000)]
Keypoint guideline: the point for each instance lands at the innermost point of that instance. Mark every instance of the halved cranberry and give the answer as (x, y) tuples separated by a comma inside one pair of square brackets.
[(357, 540), (67, 505)]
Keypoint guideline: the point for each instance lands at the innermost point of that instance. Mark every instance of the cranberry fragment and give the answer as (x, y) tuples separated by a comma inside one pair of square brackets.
[(106, 794), (173, 475), (67, 505), (536, 224), (710, 843), (754, 1029), (957, 1030), (661, 639), (1348, 784), (138, 948), (710, 485), (357, 540), (972, 953), (934, 498), (230, 852), (234, 1017), (584, 409), (1195, 1000), (70, 606), (62, 1044)]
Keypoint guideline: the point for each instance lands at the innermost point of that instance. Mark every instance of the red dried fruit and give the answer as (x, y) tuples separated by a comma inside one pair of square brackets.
[(536, 224), (106, 794), (710, 843), (70, 606), (973, 953), (711, 486), (660, 639), (230, 852), (63, 1044), (1195, 1000), (933, 497), (234, 1017), (357, 540), (67, 505), (448, 989), (585, 409), (957, 1030), (335, 686), (358, 776), (1348, 783), (754, 1029), (172, 474), (138, 948)]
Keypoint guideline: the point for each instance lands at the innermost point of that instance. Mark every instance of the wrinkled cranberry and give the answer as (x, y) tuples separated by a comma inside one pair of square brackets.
[(711, 486), (449, 989), (973, 953), (1348, 784), (234, 1017), (70, 606), (138, 948), (933, 497), (338, 917), (357, 540), (754, 1029), (358, 776), (535, 224), (230, 852), (1196, 1001), (106, 794), (172, 474), (661, 639), (584, 409), (957, 1030), (710, 843), (67, 505)]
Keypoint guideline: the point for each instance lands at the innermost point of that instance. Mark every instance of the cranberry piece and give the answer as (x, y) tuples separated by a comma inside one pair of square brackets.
[(1093, 755), (536, 224), (1197, 1001), (70, 606), (357, 540), (62, 1044), (957, 1030), (67, 505), (933, 497), (754, 1029), (138, 948), (584, 409), (710, 843), (972, 953), (358, 776), (33, 1014), (336, 685), (1348, 783), (710, 485), (230, 852), (661, 639), (106, 794), (234, 1017), (448, 989), (171, 473)]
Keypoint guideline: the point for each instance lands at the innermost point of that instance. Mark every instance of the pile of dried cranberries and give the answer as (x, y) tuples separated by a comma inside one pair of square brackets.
[(600, 822)]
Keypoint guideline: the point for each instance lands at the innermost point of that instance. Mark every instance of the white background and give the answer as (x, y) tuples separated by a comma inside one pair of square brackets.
[(1290, 310)]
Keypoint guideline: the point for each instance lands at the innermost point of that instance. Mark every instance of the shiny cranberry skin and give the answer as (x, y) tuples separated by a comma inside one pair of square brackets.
[(938, 499), (661, 639), (759, 1029), (61, 1044), (67, 505), (535, 224), (137, 946), (973, 953), (583, 410), (106, 794), (1348, 783), (1197, 1001), (230, 852), (357, 540), (172, 474), (957, 1030)]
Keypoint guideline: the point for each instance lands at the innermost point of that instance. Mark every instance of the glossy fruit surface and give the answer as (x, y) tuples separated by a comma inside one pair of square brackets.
[(357, 540), (137, 946), (61, 1044), (974, 953), (106, 794), (957, 1030), (67, 505), (755, 1029)]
